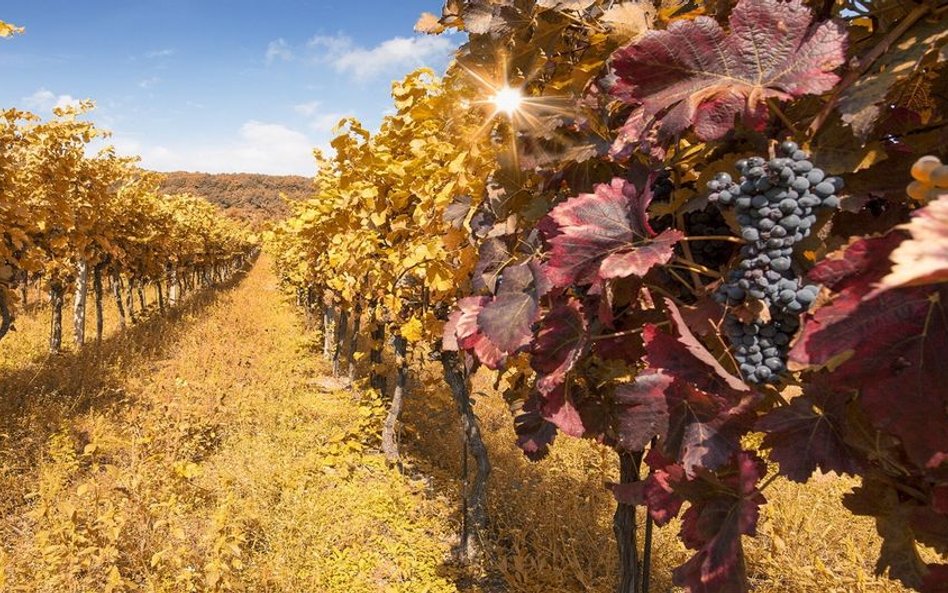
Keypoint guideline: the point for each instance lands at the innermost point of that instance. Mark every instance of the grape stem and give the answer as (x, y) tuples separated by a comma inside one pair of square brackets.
[(696, 267), (684, 282), (630, 332), (768, 481), (782, 116), (726, 238), (680, 219)]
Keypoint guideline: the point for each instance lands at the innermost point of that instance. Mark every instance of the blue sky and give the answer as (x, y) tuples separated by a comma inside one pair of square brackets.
[(214, 85)]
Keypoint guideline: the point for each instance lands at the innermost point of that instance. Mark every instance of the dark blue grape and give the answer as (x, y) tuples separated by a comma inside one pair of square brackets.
[(800, 184), (802, 167), (824, 189), (805, 296), (789, 147), (790, 222), (781, 264)]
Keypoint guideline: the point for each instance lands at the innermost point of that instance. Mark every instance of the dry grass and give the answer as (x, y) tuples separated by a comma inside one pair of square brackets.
[(197, 454), (206, 451)]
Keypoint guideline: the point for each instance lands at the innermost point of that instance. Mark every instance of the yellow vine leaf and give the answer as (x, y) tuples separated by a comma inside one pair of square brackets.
[(413, 331)]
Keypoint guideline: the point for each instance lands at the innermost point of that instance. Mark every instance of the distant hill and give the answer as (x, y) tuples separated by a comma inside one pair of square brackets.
[(245, 196)]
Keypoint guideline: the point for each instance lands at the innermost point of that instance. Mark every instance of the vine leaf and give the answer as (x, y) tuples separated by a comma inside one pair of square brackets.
[(468, 335), (889, 345), (559, 410), (495, 327), (923, 259), (643, 410), (604, 235), (724, 506), (684, 357), (708, 408), (560, 342), (535, 433), (808, 434), (862, 104), (507, 320), (900, 523), (693, 74)]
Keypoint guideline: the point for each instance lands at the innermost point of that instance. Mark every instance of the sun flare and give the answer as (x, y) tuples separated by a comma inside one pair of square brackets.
[(507, 100)]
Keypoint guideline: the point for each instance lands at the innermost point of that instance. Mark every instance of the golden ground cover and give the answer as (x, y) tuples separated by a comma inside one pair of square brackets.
[(198, 453)]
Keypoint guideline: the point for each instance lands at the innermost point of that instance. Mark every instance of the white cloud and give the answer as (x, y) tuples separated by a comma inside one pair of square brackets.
[(47, 100), (326, 122), (331, 47), (278, 50), (149, 82), (394, 55), (319, 121), (258, 147), (307, 109), (160, 53)]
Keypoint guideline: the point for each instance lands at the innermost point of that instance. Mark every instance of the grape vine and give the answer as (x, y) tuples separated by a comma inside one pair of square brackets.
[(571, 239), (69, 222)]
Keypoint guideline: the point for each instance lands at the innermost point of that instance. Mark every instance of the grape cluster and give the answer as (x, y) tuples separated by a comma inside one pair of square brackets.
[(709, 223), (774, 202), (662, 187)]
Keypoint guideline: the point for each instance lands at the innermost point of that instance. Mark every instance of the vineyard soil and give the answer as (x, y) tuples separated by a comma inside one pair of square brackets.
[(208, 451)]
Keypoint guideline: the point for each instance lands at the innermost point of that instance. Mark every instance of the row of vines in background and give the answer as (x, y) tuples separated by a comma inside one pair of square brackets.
[(696, 225), (69, 222)]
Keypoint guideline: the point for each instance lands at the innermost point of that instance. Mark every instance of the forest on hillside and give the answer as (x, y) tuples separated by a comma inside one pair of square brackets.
[(247, 196)]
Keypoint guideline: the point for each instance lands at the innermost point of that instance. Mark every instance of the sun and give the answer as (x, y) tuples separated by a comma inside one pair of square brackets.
[(507, 100)]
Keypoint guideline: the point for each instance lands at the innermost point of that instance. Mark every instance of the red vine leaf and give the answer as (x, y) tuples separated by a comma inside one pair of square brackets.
[(604, 235), (507, 320), (559, 410), (642, 410), (659, 492), (704, 430), (724, 506), (936, 581), (808, 434), (684, 357), (560, 342), (469, 336), (888, 345), (695, 74), (898, 554), (535, 434)]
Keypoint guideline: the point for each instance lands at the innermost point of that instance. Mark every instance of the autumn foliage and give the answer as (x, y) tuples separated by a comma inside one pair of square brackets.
[(577, 275)]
